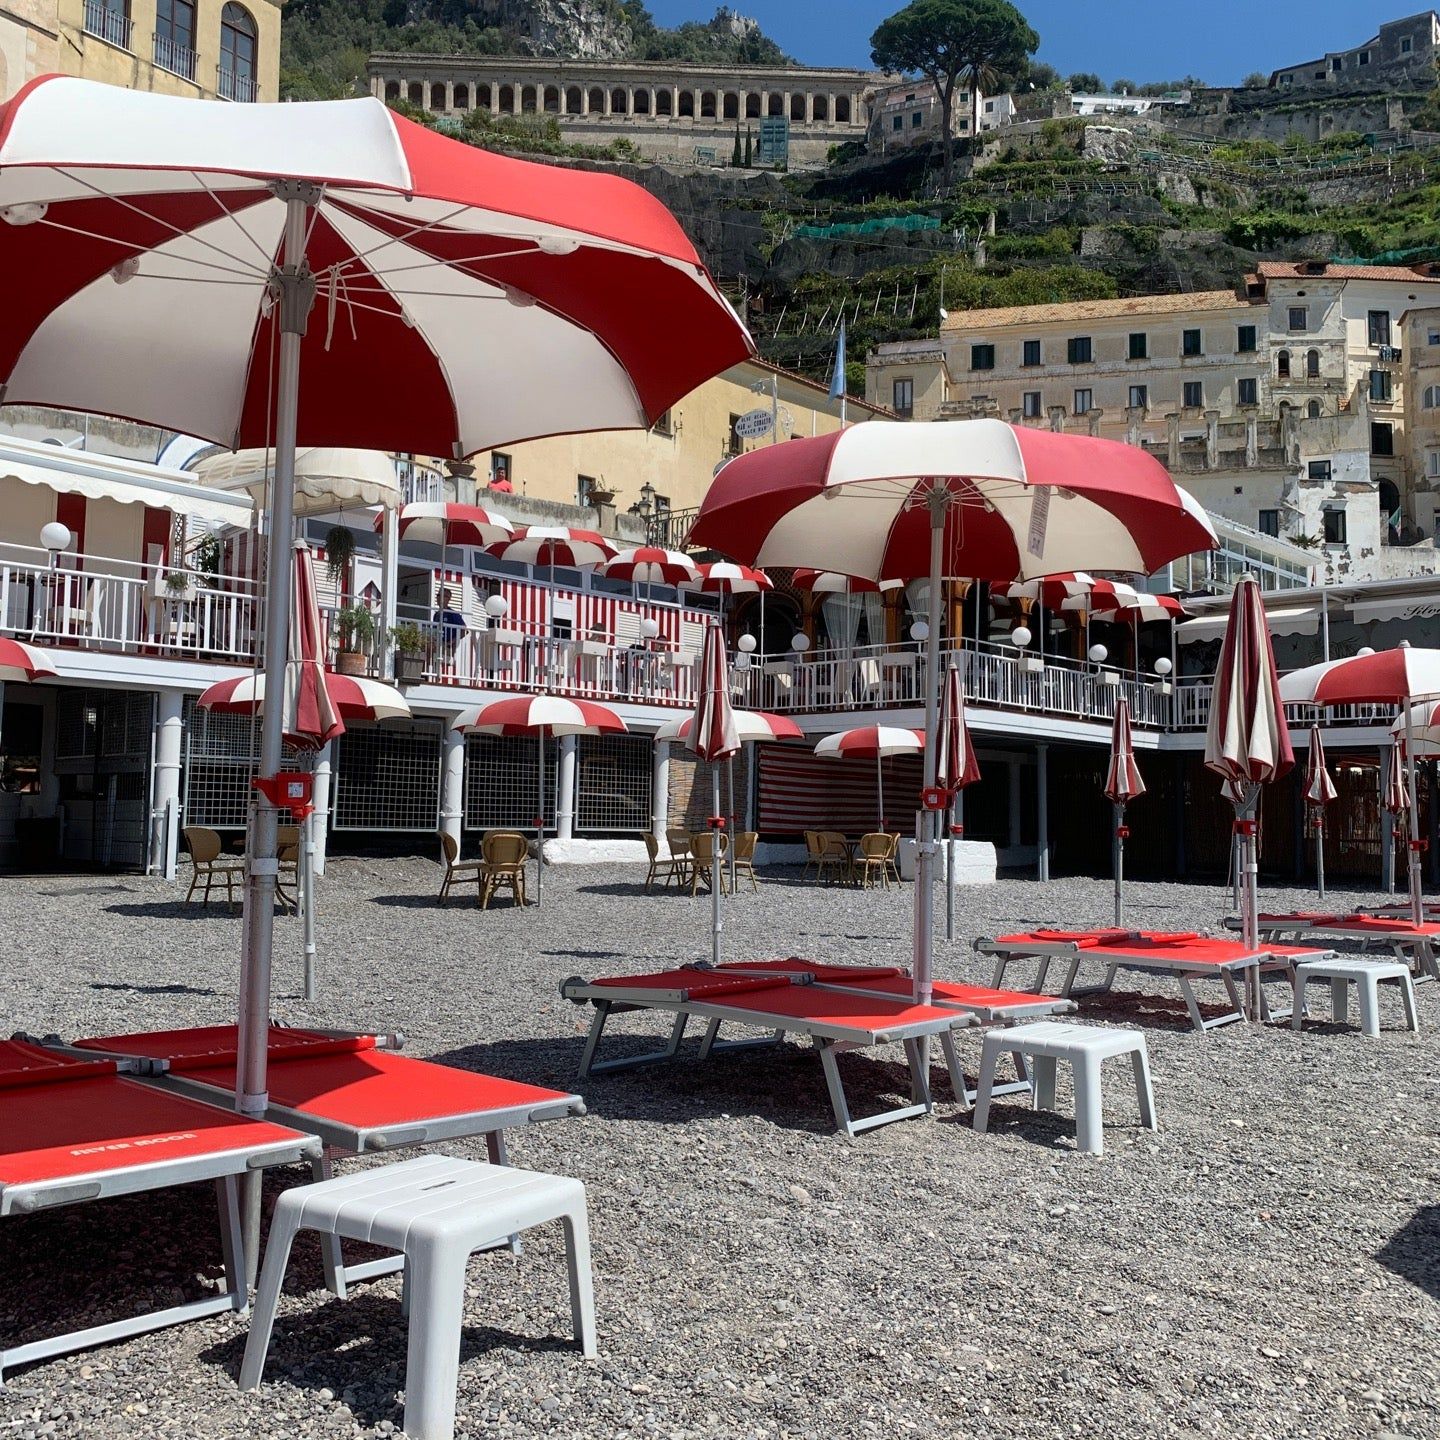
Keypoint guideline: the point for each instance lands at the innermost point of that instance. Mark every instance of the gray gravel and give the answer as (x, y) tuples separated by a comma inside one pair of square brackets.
[(1265, 1265)]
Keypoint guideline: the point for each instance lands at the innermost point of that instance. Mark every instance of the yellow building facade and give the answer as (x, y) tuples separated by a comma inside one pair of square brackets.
[(204, 49), (29, 42)]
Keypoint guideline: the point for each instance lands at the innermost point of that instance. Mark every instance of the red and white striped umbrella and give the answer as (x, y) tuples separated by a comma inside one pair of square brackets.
[(23, 662), (1400, 676), (873, 742), (1142, 608), (1247, 742), (1077, 592), (1319, 787), (444, 524), (554, 547), (831, 582), (354, 697), (309, 719), (650, 565), (956, 764), (1123, 783), (750, 726), (714, 736), (1394, 793), (725, 577)]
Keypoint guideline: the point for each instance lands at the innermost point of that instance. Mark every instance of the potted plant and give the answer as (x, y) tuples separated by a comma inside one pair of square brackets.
[(339, 551), (206, 556), (177, 584), (410, 652), (355, 630)]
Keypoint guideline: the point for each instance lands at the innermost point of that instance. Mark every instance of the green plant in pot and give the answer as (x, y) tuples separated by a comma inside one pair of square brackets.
[(411, 649), (339, 552), (177, 584), (355, 630)]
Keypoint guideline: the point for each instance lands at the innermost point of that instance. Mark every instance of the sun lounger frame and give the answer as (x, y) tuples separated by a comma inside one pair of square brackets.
[(1417, 951)]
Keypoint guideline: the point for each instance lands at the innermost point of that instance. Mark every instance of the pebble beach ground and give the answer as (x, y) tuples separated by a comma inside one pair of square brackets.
[(1267, 1264)]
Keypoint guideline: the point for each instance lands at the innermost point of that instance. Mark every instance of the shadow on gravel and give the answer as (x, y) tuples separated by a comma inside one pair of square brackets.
[(457, 902), (1413, 1251), (180, 910), (150, 989)]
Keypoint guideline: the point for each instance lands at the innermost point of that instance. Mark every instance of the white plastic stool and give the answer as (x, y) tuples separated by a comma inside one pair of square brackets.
[(1084, 1047), (436, 1211), (1366, 976)]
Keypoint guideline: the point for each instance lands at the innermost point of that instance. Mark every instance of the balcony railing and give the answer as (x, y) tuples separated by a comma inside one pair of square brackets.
[(177, 59), (232, 85), (107, 23)]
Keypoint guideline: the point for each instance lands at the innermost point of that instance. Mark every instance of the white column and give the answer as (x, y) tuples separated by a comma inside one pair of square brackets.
[(452, 784), (165, 830), (660, 790), (324, 760), (565, 789), (389, 586), (1042, 812)]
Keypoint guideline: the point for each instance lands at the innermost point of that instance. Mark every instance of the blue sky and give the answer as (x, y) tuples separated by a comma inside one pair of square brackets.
[(1220, 41)]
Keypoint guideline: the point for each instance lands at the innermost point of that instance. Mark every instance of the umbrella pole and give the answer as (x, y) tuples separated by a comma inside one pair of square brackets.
[(950, 868), (1320, 853), (1417, 902), (734, 818), (307, 899), (540, 828), (297, 297), (880, 790), (1119, 848), (937, 501), (716, 871)]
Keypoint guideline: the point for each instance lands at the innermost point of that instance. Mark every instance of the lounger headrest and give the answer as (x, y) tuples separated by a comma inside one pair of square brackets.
[(25, 1063)]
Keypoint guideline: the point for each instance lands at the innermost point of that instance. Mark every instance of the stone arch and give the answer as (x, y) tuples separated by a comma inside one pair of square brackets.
[(1312, 364), (415, 93), (1282, 365), (842, 109), (529, 99), (462, 97), (775, 106), (437, 95), (619, 101), (485, 97), (665, 102), (707, 105), (597, 100), (642, 102), (797, 109), (687, 104), (752, 105), (551, 100), (820, 108), (506, 105), (574, 100), (392, 90), (732, 105)]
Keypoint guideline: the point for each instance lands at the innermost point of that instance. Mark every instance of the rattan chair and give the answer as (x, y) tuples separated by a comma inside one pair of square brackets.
[(209, 865), (674, 868), (873, 858), (892, 861), (812, 854), (455, 867), (745, 858), (505, 855), (835, 857), (703, 850)]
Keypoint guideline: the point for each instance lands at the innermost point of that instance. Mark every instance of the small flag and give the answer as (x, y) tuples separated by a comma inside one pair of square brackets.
[(837, 380)]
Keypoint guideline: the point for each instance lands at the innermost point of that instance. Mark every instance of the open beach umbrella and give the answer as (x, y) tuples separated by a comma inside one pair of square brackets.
[(540, 715), (1123, 783), (973, 499), (445, 523), (22, 663), (187, 261), (552, 546), (1400, 677), (649, 565), (725, 578), (713, 736), (353, 697), (1319, 792), (831, 582), (956, 766), (877, 743), (1247, 742)]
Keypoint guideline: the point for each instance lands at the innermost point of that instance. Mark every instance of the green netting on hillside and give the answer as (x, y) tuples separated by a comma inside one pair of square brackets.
[(869, 227)]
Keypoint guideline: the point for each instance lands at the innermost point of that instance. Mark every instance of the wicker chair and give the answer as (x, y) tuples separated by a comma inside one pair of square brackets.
[(703, 850), (873, 858), (834, 856), (812, 854), (205, 846), (674, 868), (455, 867), (892, 861), (504, 864), (745, 858)]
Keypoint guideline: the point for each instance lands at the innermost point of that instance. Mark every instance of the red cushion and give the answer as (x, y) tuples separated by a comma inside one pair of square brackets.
[(22, 1063), (204, 1045), (837, 974)]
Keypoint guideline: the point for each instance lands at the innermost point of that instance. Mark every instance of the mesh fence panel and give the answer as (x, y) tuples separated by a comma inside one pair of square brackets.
[(388, 779), (613, 780), (222, 752), (500, 781)]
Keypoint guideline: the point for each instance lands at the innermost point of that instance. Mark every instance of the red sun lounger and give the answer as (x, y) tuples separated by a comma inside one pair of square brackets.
[(352, 1091), (1412, 943), (833, 1018), (1184, 955), (73, 1130)]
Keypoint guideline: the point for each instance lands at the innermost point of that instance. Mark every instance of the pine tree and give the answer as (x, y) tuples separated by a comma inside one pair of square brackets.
[(735, 157), (749, 149)]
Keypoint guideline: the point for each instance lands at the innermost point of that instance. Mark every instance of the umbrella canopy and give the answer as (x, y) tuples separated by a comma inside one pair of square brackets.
[(119, 201), (650, 565), (551, 546), (872, 742), (1387, 677), (714, 736), (1319, 787), (1076, 591), (1394, 794), (831, 582), (540, 715), (327, 478), (750, 726), (24, 662), (956, 765), (725, 577), (354, 697), (1017, 502), (309, 719), (1123, 781), (443, 524), (1143, 607)]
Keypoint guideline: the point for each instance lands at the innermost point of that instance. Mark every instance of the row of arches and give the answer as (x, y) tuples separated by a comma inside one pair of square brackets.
[(1285, 365), (442, 96)]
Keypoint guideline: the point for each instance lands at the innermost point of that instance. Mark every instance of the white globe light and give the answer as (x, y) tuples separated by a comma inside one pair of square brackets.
[(55, 536), (1098, 653), (800, 642), (1366, 650), (1163, 665), (497, 606), (920, 631), (746, 644), (1020, 636), (649, 628)]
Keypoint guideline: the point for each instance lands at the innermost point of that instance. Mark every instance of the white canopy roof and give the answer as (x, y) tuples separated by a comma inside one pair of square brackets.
[(127, 482), (1283, 620), (326, 477)]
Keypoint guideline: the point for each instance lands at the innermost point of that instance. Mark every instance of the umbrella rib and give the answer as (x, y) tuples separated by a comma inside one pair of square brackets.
[(234, 219), (249, 276), (359, 211)]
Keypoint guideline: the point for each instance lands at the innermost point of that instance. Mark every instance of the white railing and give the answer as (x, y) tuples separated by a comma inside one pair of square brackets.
[(94, 603), (233, 85), (108, 23), (177, 59)]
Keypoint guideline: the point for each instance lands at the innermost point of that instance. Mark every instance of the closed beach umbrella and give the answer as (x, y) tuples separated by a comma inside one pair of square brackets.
[(540, 715), (1319, 792), (1247, 742), (877, 743), (956, 766), (1123, 783), (714, 737)]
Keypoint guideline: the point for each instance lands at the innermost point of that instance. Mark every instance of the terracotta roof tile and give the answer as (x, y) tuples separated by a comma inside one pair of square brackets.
[(1302, 270)]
